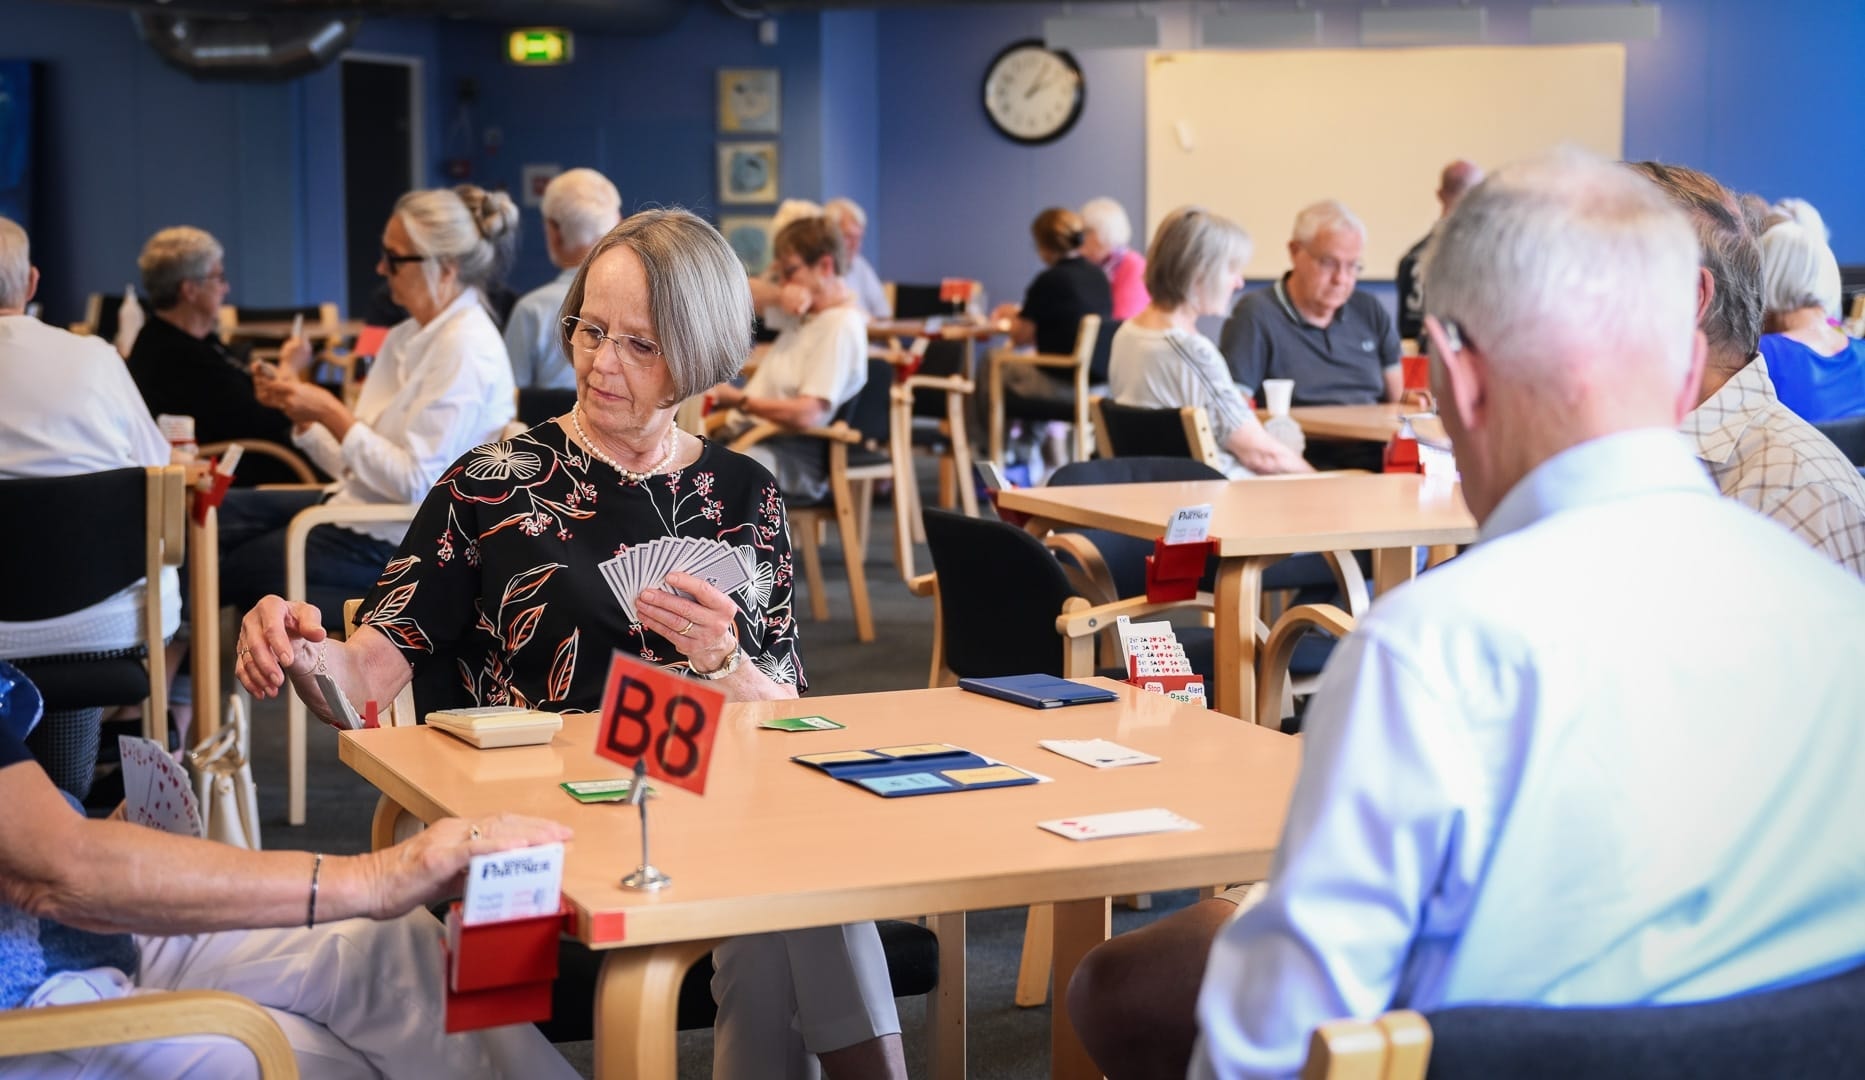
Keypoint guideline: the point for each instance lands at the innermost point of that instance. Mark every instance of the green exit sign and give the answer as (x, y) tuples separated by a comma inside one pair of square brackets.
[(539, 46)]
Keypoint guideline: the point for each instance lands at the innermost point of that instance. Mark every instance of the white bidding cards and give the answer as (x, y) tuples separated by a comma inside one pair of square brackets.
[(1123, 823), (726, 567), (516, 884)]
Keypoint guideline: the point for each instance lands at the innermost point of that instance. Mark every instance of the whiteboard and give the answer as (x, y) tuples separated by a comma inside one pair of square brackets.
[(1256, 136)]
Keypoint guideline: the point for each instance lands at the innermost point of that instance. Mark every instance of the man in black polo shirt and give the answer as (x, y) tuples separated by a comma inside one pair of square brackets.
[(181, 365), (1315, 327)]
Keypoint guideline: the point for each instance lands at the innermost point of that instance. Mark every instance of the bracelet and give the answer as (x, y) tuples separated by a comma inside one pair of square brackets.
[(317, 870), (730, 665)]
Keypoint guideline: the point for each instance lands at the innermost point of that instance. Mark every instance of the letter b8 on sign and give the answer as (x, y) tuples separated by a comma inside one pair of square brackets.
[(651, 713)]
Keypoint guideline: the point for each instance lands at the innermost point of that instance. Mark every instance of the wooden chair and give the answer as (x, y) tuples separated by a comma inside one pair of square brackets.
[(151, 1016), (1277, 686), (1131, 431), (998, 596), (285, 455), (1848, 434), (914, 423), (132, 526), (295, 536), (1090, 340), (101, 320), (1809, 1029), (853, 471)]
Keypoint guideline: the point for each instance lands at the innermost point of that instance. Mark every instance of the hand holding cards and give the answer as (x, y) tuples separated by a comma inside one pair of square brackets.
[(725, 567)]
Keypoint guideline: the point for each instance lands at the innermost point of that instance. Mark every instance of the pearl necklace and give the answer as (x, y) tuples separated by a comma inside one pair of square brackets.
[(673, 443)]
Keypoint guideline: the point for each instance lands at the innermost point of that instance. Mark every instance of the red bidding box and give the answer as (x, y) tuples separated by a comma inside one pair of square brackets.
[(652, 713), (503, 972), (1415, 372), (1402, 456), (1173, 570)]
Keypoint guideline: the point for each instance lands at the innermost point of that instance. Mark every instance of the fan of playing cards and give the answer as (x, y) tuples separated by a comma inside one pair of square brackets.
[(726, 567)]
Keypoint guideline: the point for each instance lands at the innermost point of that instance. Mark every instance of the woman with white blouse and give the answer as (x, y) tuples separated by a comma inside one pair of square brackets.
[(1159, 360), (441, 384)]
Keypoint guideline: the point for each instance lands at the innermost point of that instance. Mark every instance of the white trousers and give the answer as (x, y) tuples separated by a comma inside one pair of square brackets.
[(786, 997), (355, 999)]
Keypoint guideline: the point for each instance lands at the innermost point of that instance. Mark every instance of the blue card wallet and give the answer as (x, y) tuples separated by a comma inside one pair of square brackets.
[(925, 769), (1038, 691)]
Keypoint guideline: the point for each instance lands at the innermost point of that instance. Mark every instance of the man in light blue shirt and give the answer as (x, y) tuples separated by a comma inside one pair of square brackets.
[(580, 207), (870, 295), (1610, 754)]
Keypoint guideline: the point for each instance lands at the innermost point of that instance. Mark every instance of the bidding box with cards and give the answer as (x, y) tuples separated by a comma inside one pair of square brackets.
[(1156, 661), (501, 944), (726, 567)]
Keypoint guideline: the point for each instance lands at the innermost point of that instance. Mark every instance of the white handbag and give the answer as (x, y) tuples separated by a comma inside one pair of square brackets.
[(223, 780)]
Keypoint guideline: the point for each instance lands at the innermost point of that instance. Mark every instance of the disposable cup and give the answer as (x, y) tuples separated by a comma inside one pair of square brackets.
[(1276, 395)]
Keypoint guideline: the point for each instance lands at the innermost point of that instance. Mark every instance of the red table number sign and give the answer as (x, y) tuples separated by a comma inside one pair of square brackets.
[(650, 712)]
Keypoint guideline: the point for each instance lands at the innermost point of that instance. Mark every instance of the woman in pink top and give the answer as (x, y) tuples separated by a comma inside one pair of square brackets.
[(1106, 246)]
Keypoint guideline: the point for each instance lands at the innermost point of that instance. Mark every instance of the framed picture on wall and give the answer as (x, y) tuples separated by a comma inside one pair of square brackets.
[(749, 100), (747, 172), (750, 237), (17, 139)]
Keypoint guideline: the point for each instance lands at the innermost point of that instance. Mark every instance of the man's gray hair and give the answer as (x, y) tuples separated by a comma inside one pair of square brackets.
[(1798, 271), (1194, 252), (174, 256), (1566, 256), (699, 298), (1733, 322), (15, 265), (1324, 216), (1108, 220), (843, 209), (1806, 215), (583, 204)]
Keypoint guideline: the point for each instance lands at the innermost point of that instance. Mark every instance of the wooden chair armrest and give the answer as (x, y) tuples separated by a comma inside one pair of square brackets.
[(267, 448), (1050, 360), (1273, 665), (923, 585), (1083, 621), (838, 432), (148, 1017), (949, 383), (1096, 581), (325, 514)]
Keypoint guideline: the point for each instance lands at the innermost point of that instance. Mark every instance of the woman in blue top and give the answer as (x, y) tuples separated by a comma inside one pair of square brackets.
[(1817, 370)]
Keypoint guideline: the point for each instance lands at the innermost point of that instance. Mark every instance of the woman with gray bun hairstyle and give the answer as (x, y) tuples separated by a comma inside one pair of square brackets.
[(441, 385)]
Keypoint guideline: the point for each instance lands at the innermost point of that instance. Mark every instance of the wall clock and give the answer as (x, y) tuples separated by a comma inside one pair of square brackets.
[(1033, 94)]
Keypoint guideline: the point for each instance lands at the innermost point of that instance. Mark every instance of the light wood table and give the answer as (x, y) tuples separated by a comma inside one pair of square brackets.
[(774, 845), (901, 331), (278, 330), (1257, 521), (1368, 423)]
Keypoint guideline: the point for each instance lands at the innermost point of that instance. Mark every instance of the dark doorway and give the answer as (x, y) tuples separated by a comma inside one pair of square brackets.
[(378, 129)]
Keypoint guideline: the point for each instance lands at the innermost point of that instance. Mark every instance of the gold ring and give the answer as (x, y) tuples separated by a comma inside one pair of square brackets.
[(683, 630), (245, 651)]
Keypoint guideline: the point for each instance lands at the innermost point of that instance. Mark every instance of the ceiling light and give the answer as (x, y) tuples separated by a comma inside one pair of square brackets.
[(1260, 29), (1422, 26), (1572, 24), (1102, 32)]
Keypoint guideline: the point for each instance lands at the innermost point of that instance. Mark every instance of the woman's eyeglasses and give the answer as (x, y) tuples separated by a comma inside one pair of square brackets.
[(394, 261), (588, 337)]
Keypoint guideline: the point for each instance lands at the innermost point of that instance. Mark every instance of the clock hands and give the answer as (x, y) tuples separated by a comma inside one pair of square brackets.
[(1041, 81)]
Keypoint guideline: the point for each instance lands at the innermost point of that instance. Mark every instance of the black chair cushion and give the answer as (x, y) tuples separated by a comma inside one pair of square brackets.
[(1000, 591), (912, 966), (1802, 1031), (538, 404), (1848, 434), (93, 680)]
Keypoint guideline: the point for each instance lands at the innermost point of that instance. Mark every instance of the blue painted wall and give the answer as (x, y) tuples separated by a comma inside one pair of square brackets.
[(880, 105)]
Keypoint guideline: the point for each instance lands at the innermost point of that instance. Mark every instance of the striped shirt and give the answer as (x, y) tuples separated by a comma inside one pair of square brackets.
[(1170, 369)]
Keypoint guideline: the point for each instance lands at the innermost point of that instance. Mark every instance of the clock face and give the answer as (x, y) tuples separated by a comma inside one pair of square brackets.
[(1033, 94)]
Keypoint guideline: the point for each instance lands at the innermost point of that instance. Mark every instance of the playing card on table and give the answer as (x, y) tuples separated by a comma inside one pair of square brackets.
[(1099, 753), (156, 791), (1124, 823)]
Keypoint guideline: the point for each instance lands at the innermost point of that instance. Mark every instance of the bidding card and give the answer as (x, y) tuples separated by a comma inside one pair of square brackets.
[(1124, 823), (600, 791), (801, 723)]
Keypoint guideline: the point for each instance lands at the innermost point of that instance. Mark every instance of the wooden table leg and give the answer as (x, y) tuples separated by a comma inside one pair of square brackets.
[(1239, 593), (945, 1013), (204, 630), (637, 1008), (1393, 567), (1080, 925), (382, 827)]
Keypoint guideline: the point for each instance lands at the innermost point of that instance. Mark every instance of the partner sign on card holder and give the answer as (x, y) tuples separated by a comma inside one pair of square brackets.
[(654, 715)]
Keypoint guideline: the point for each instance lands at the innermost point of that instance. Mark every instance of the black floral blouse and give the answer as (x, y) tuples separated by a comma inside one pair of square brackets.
[(498, 572)]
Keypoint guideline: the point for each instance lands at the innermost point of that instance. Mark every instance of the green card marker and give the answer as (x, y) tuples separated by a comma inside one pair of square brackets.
[(801, 723), (598, 791)]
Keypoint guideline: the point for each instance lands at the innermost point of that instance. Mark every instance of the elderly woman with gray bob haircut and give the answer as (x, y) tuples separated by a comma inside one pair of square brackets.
[(1159, 359), (174, 257), (501, 587), (1817, 370)]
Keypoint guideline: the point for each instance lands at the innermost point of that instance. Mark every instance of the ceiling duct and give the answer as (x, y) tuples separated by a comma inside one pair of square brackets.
[(280, 47)]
